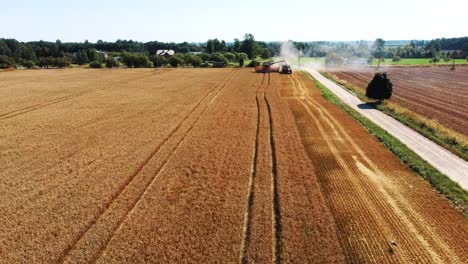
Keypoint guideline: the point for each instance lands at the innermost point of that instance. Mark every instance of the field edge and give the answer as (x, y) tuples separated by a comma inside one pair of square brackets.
[(434, 131), (443, 184)]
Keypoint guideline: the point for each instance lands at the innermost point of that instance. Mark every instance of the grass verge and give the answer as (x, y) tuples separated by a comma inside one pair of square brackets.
[(441, 135), (443, 184)]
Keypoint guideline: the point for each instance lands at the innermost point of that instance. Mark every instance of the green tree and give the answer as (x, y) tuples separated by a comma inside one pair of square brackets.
[(196, 61), (61, 62), (380, 87), (92, 55), (82, 57), (204, 56), (7, 62), (378, 50), (237, 45), (223, 46), (216, 45), (13, 46), (136, 60), (45, 62), (253, 63), (446, 57), (210, 46), (218, 57), (142, 61), (241, 62), (4, 49), (265, 54), (175, 61), (159, 61), (27, 53), (95, 65), (249, 46), (396, 58), (434, 59), (27, 63), (230, 56), (111, 62)]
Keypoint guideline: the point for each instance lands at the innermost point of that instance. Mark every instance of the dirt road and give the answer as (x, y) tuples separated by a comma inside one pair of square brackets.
[(446, 162)]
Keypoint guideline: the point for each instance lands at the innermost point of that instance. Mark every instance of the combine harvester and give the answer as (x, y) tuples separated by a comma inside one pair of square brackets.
[(268, 67)]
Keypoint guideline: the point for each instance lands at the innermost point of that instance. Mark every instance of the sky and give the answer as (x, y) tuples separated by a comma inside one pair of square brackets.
[(197, 21)]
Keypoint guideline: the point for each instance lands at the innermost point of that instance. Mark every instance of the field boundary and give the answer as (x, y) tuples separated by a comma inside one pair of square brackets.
[(436, 132), (443, 184)]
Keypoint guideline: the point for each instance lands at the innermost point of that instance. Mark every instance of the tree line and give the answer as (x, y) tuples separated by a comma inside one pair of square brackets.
[(138, 54), (129, 53), (434, 50)]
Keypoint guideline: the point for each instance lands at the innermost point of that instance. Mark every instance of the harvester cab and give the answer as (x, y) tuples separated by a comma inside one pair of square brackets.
[(285, 69)]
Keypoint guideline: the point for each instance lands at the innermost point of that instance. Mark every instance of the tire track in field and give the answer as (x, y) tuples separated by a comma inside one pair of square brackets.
[(379, 208), (41, 105), (64, 257), (277, 227), (346, 172), (328, 165), (391, 208), (264, 181), (406, 215), (156, 173), (251, 193)]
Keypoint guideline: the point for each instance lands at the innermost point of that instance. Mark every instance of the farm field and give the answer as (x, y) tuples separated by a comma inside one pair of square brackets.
[(402, 62), (203, 166), (434, 92), (419, 61)]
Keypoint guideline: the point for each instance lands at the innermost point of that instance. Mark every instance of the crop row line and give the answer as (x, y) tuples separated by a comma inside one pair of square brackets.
[(251, 194), (145, 162), (158, 171)]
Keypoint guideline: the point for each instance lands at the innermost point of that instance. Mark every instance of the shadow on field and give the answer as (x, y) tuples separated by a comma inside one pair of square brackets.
[(366, 106)]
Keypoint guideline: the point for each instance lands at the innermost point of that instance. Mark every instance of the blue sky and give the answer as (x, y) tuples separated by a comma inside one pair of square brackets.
[(196, 21)]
